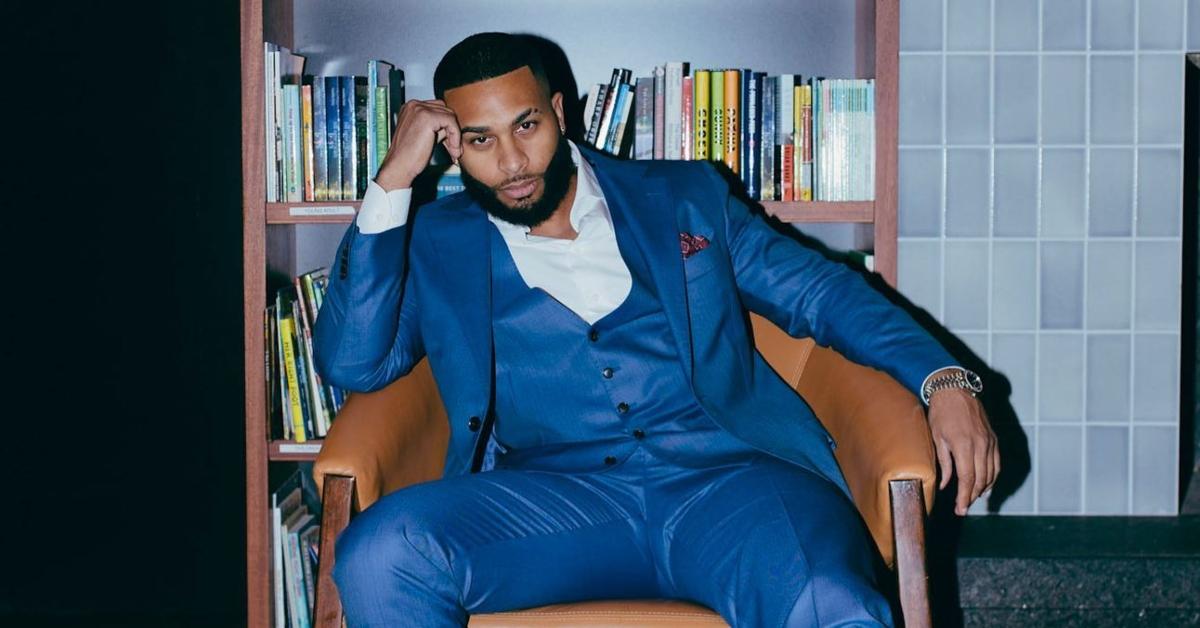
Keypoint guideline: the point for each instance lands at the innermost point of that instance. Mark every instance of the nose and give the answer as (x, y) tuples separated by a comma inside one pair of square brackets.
[(512, 159)]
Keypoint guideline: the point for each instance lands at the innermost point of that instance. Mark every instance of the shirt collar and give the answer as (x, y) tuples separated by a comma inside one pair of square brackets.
[(588, 199)]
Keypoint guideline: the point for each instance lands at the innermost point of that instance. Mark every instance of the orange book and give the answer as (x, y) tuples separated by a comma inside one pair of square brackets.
[(733, 111)]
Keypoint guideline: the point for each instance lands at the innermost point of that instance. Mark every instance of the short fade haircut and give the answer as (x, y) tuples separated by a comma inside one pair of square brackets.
[(483, 56)]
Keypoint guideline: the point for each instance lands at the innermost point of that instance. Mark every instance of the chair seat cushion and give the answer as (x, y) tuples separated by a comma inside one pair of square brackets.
[(605, 614)]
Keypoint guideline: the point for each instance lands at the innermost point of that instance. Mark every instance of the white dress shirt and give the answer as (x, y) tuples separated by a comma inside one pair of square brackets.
[(587, 274)]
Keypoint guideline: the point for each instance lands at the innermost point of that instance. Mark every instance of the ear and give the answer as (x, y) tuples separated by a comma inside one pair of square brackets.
[(556, 102)]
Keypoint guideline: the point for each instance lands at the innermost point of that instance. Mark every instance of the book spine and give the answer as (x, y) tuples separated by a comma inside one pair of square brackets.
[(643, 144), (733, 112), (333, 136), (785, 138), (349, 178), (589, 108), (277, 87), (744, 127), (716, 116), (287, 333), (686, 118), (290, 192), (382, 138), (280, 615), (619, 143), (372, 105), (673, 108), (316, 399), (610, 102), (320, 158), (269, 122), (610, 143), (753, 126), (362, 123), (767, 139), (806, 153), (300, 603), (285, 406), (306, 128), (660, 112), (700, 100), (597, 115)]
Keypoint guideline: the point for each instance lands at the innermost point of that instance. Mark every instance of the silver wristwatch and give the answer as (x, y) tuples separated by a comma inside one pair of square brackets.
[(958, 377)]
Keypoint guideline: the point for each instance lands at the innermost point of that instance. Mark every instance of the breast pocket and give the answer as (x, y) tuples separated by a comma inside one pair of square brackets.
[(700, 264)]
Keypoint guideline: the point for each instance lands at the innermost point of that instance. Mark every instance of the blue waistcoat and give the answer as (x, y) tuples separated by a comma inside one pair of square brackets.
[(577, 397)]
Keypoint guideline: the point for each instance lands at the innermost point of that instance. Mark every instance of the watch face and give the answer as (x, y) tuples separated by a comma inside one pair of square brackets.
[(974, 381)]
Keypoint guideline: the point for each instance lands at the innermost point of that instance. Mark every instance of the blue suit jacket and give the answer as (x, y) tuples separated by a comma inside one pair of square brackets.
[(425, 290)]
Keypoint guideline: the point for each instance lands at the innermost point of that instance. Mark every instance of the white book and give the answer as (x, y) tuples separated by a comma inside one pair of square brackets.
[(277, 563), (589, 106), (673, 114), (269, 79)]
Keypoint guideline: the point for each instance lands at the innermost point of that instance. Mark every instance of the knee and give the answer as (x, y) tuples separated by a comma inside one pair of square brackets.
[(374, 549)]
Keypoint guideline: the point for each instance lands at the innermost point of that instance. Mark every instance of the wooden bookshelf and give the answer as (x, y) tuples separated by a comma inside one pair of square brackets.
[(867, 44), (287, 450)]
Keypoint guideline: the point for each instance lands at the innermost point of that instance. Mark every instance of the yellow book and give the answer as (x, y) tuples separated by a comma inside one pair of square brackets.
[(306, 137), (804, 144), (716, 116), (287, 331), (700, 100), (733, 111)]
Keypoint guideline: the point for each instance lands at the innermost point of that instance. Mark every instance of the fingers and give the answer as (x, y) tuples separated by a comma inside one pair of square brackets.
[(965, 465), (945, 462)]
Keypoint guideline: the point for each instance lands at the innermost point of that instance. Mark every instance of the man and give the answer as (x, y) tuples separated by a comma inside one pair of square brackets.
[(584, 320)]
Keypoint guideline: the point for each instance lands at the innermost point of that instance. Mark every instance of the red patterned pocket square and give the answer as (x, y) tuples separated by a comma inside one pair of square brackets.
[(690, 244)]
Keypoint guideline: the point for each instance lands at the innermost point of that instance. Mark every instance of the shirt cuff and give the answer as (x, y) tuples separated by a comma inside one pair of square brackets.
[(921, 391), (381, 210)]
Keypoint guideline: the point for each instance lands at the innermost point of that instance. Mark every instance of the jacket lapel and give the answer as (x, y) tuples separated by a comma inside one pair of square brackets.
[(643, 200)]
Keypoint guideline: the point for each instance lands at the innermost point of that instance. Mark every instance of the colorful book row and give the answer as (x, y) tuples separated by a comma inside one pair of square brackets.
[(325, 135), (295, 546), (298, 400), (786, 138)]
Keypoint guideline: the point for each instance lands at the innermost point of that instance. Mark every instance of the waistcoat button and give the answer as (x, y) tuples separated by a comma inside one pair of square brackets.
[(622, 407), (593, 335), (473, 424), (607, 372), (610, 460), (639, 434)]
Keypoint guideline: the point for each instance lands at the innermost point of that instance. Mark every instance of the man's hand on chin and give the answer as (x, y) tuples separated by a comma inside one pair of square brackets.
[(965, 444)]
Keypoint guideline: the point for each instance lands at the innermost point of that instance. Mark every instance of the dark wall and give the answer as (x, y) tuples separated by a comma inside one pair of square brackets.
[(123, 495)]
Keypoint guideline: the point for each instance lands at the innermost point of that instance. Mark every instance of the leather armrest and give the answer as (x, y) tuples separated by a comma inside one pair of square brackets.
[(879, 426), (387, 439)]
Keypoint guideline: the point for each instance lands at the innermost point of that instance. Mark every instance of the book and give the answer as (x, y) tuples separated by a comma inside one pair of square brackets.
[(306, 139), (732, 106), (618, 144), (784, 139), (673, 110), (767, 189), (643, 139), (716, 115), (589, 107), (660, 112), (593, 128), (686, 119), (320, 156), (333, 136), (700, 101)]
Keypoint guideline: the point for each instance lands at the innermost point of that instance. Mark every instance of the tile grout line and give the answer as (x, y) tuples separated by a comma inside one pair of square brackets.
[(1035, 464)]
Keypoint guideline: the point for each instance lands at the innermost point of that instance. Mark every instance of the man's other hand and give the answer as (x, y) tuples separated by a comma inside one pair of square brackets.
[(965, 444)]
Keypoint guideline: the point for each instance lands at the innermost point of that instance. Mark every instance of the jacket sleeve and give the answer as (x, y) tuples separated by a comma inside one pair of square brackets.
[(367, 333), (806, 294)]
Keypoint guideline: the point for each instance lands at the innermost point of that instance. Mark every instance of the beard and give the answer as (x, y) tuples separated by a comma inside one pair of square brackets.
[(528, 212)]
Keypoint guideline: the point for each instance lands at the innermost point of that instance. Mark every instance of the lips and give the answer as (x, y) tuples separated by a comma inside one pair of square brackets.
[(520, 190)]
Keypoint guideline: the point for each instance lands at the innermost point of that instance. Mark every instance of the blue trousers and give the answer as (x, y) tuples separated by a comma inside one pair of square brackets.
[(762, 542)]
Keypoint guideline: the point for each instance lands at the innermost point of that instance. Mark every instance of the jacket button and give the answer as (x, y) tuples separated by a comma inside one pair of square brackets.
[(639, 434), (610, 460), (607, 372), (593, 335), (622, 407), (473, 424)]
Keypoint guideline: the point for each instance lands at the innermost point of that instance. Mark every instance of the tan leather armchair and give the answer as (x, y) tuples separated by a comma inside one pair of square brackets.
[(397, 436)]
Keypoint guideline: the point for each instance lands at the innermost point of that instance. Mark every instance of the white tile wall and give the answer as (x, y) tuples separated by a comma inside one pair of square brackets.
[(1040, 180)]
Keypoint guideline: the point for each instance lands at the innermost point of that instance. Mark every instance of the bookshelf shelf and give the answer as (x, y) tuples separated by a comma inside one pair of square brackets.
[(287, 450), (797, 212), (834, 38), (331, 212)]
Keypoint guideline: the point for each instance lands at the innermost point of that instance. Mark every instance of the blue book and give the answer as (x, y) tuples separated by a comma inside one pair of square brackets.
[(610, 142), (744, 127), (766, 139), (333, 138), (349, 146), (320, 159)]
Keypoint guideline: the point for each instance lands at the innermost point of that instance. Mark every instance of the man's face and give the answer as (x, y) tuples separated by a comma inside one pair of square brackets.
[(515, 161)]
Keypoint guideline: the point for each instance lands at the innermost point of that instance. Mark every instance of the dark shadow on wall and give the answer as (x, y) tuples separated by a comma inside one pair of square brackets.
[(944, 527), (1189, 437)]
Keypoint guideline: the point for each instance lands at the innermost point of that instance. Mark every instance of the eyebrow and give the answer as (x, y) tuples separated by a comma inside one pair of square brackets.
[(518, 120)]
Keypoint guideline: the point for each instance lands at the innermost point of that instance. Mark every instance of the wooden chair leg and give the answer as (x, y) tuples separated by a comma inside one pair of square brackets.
[(335, 516), (908, 523)]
